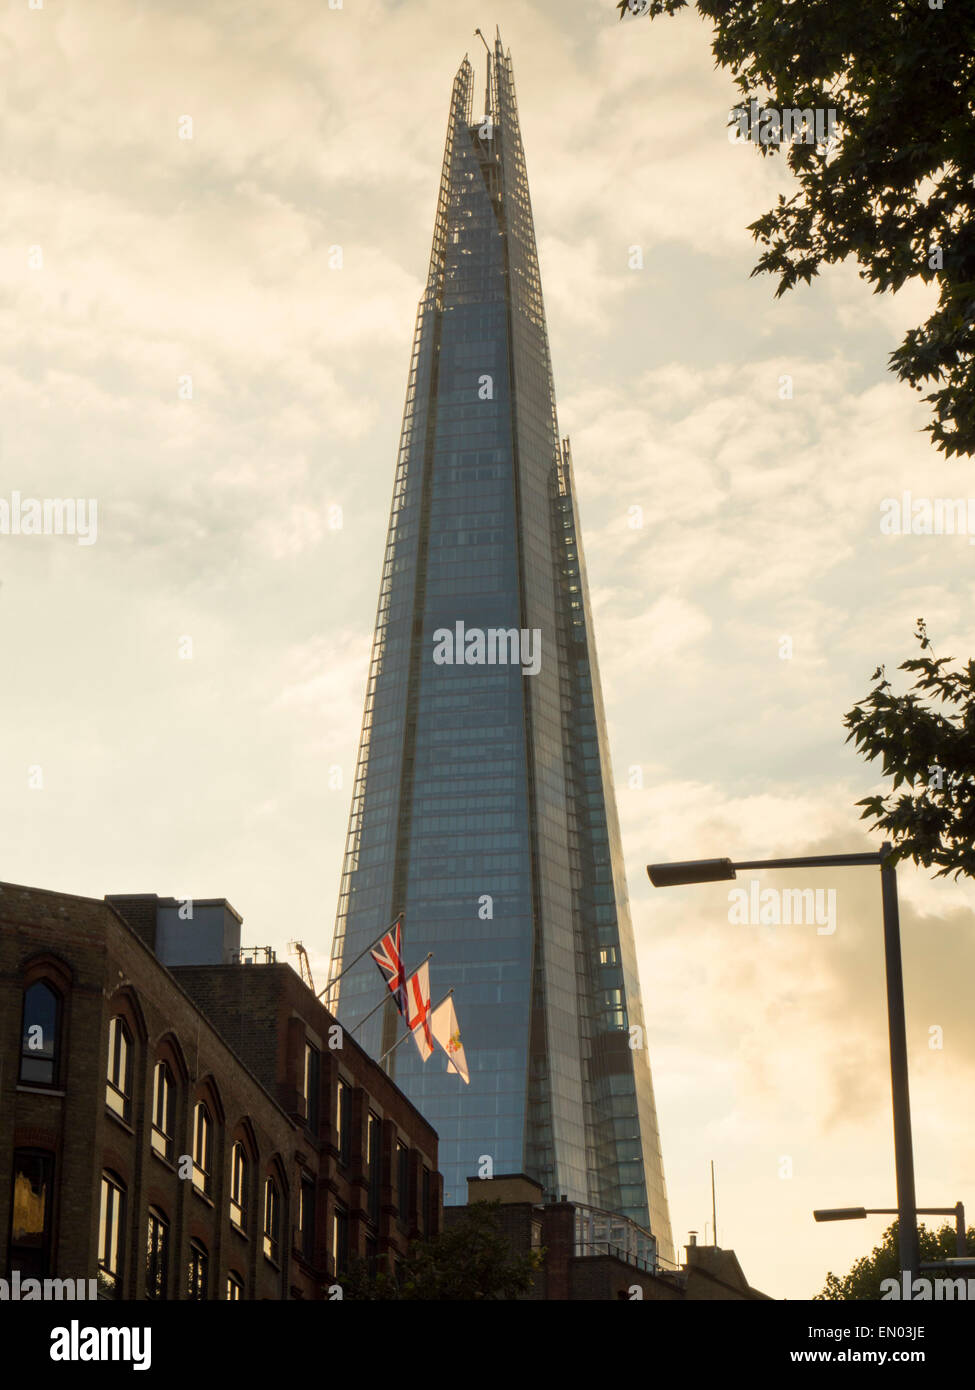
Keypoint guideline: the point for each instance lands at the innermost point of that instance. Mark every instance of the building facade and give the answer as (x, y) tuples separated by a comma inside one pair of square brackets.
[(598, 1256), (381, 1168), (483, 805), (140, 1148)]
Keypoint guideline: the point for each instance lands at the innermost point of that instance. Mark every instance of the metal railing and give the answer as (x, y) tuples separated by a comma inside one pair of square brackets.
[(599, 1232)]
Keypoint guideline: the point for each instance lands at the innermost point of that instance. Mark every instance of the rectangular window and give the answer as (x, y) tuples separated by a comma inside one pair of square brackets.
[(306, 1218), (402, 1180), (340, 1240), (374, 1160), (31, 1214), (342, 1122), (425, 1202), (111, 1223), (312, 1086), (157, 1254), (235, 1287)]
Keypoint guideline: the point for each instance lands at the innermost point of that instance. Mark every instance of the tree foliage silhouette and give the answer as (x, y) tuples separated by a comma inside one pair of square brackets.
[(925, 742), (896, 188), (867, 1274), (470, 1260)]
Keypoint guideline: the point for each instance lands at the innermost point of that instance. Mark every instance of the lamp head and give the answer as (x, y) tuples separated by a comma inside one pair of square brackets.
[(690, 871)]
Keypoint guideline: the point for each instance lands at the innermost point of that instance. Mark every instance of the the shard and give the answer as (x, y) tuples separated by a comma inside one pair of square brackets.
[(483, 803)]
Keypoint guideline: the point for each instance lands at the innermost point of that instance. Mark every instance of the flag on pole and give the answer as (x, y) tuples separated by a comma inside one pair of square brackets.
[(388, 955), (418, 994), (446, 1032)]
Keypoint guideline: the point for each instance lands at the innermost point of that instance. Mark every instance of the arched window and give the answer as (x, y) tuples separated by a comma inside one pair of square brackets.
[(118, 1088), (239, 1185), (111, 1235), (272, 1219), (163, 1096), (202, 1148), (198, 1271), (235, 1287), (41, 1035), (31, 1215), (157, 1254)]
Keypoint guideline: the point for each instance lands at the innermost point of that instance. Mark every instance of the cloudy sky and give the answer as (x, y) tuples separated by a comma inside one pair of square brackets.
[(190, 686)]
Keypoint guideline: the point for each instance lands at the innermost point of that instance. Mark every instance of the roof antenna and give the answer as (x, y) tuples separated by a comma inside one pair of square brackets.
[(714, 1210), (487, 80)]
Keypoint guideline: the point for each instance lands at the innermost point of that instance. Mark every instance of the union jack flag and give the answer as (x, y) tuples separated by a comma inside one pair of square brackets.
[(388, 955)]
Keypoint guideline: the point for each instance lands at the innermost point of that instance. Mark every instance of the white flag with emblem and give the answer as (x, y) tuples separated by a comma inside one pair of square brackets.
[(446, 1032)]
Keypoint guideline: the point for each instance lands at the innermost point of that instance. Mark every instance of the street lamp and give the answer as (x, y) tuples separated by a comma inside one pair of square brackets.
[(720, 870), (861, 1213)]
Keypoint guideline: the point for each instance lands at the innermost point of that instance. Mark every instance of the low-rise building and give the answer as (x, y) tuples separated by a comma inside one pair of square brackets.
[(595, 1255), (187, 1130)]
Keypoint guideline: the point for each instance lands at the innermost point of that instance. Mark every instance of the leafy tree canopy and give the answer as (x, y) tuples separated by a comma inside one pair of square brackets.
[(925, 740), (895, 188), (865, 1278), (470, 1260)]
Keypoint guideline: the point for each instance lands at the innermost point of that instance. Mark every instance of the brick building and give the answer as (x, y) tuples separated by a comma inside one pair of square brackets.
[(186, 1130), (285, 1036), (595, 1255)]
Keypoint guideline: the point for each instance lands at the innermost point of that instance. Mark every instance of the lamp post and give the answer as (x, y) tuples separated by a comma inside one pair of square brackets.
[(861, 1213), (720, 870)]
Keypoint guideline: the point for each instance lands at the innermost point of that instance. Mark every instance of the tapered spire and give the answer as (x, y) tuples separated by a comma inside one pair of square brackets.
[(483, 801)]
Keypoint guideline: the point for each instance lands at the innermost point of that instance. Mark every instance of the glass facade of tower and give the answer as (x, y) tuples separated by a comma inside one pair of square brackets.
[(483, 804)]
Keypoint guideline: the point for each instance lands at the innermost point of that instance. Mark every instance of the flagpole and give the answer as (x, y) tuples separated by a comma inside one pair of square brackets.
[(395, 1045), (383, 1000), (410, 1031), (335, 978), (368, 1015)]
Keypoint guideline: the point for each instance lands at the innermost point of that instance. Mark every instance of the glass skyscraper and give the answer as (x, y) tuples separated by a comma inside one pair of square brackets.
[(483, 805)]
